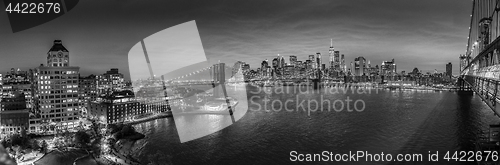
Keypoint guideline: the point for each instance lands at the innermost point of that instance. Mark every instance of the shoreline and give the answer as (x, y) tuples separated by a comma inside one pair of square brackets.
[(150, 118)]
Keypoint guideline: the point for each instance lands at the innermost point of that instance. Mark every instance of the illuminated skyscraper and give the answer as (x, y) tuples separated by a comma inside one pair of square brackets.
[(318, 60), (342, 64), (331, 51), (282, 62), (314, 64), (337, 60), (359, 66), (388, 68)]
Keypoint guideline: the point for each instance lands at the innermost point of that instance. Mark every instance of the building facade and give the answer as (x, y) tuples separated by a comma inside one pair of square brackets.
[(14, 117), (57, 91)]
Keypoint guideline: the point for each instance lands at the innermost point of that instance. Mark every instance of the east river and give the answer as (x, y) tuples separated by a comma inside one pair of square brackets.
[(388, 121)]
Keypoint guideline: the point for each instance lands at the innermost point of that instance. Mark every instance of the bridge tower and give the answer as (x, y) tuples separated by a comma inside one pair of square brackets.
[(218, 75)]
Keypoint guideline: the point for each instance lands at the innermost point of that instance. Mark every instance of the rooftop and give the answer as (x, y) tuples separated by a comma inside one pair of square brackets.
[(58, 46)]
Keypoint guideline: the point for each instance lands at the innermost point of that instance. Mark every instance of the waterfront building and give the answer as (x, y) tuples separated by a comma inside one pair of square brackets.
[(120, 106), (115, 107)]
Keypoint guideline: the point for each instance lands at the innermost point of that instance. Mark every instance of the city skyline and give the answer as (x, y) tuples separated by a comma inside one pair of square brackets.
[(421, 35)]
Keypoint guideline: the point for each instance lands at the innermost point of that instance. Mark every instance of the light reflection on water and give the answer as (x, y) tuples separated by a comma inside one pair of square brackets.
[(393, 122)]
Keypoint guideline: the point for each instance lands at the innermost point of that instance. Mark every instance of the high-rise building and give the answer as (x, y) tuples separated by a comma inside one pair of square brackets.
[(330, 52), (359, 66), (57, 89), (351, 69), (342, 63), (263, 68), (388, 68), (318, 60), (245, 67), (314, 64), (293, 60), (337, 60), (282, 62), (276, 62), (449, 69)]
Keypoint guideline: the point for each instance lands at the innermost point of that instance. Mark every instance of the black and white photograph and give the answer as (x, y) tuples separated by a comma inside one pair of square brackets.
[(189, 82)]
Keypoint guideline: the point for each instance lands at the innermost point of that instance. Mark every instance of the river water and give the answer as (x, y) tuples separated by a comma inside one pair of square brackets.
[(388, 121)]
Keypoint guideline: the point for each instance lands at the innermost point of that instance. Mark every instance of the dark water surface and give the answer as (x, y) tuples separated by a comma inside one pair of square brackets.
[(392, 122)]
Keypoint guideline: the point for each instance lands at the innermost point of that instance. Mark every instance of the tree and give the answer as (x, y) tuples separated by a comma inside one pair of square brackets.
[(34, 145), (15, 139), (81, 138), (43, 147), (4, 143), (95, 127)]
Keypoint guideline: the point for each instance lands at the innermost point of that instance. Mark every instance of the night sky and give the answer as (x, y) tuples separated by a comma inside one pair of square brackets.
[(425, 34)]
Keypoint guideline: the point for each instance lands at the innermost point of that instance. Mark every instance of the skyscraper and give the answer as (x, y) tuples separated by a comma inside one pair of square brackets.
[(276, 62), (337, 60), (313, 62), (263, 67), (331, 51), (282, 62), (449, 70), (293, 60), (359, 66), (318, 60), (351, 69), (388, 68), (342, 63)]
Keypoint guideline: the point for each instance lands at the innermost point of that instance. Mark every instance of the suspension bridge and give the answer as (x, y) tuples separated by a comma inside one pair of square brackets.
[(480, 65)]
